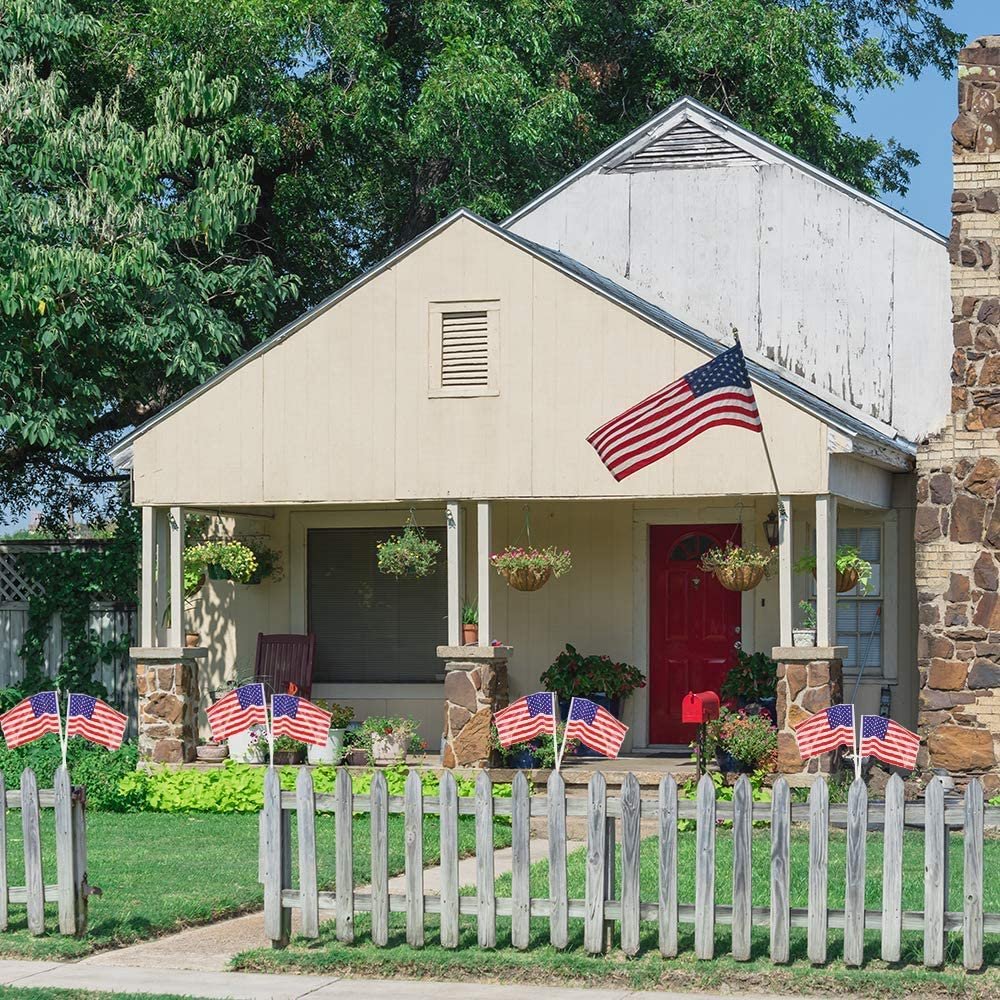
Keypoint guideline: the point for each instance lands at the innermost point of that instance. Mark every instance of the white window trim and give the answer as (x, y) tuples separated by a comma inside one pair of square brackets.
[(435, 313)]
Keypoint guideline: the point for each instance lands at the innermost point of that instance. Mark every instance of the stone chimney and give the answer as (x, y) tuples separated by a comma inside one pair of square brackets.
[(958, 512)]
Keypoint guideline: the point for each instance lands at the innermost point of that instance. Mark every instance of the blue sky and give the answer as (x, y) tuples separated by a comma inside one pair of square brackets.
[(919, 114)]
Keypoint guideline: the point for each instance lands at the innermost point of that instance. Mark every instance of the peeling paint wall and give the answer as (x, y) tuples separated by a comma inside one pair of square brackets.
[(830, 287)]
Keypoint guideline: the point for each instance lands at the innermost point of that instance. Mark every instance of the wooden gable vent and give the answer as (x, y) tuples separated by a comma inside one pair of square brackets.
[(465, 348), (686, 145)]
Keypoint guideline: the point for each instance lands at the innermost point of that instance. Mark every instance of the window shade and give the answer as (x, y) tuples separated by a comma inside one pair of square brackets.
[(369, 627)]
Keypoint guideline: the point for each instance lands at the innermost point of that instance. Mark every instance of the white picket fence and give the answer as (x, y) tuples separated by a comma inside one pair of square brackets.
[(609, 818), (70, 890)]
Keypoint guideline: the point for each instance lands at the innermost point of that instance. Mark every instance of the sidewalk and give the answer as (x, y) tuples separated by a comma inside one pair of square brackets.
[(90, 975)]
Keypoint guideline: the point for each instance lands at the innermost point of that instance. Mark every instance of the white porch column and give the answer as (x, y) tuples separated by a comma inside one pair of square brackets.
[(483, 569), (826, 570), (147, 600), (786, 611), (175, 635), (455, 567), (161, 580)]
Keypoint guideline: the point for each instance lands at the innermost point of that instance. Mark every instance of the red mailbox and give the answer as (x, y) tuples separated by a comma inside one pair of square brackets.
[(700, 707)]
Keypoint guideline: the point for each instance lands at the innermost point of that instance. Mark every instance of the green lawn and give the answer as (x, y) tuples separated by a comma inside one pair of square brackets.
[(648, 970), (163, 871)]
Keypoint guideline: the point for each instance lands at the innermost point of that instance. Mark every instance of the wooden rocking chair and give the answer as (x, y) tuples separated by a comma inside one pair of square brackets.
[(283, 660)]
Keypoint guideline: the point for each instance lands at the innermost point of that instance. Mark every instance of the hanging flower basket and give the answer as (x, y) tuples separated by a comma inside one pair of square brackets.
[(739, 577), (736, 567), (531, 569), (409, 554), (847, 579), (852, 570)]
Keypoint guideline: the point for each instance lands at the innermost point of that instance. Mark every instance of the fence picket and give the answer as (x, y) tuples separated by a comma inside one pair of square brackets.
[(819, 825), (854, 892), (380, 859), (704, 892), (80, 860), (972, 916), (781, 818), (609, 880), (305, 815), (742, 888), (935, 891), (486, 907), (64, 850), (448, 797), (33, 878), (344, 818), (631, 806), (668, 867), (593, 927), (520, 863), (413, 827), (4, 886), (892, 870), (276, 918), (558, 892)]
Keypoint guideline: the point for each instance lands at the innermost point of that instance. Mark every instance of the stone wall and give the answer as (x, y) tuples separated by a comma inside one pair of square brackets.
[(958, 516), (167, 686), (475, 686), (810, 679)]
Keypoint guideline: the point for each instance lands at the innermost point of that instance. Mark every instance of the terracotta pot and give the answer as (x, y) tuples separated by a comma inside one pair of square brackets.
[(289, 756), (213, 753), (527, 579), (357, 758), (192, 640), (739, 577), (470, 635)]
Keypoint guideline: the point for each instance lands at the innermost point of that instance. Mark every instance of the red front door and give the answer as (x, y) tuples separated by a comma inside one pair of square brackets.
[(694, 623)]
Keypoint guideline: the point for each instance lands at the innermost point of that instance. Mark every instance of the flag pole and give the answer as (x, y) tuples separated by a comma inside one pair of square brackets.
[(63, 735), (562, 748), (555, 731), (270, 727)]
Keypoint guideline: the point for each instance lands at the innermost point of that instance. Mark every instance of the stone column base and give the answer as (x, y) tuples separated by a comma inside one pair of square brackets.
[(167, 685), (475, 686), (810, 679)]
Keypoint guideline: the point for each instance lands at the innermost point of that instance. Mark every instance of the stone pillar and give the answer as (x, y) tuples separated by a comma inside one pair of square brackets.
[(167, 685), (958, 516), (810, 678), (475, 686)]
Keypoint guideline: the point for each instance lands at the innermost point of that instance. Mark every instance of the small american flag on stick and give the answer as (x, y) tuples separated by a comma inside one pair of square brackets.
[(889, 742), (95, 720), (528, 717), (716, 394), (594, 727), (237, 711), (825, 731), (31, 718), (302, 720)]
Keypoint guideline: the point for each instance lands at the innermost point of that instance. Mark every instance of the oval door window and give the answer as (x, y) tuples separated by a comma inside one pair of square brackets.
[(692, 547)]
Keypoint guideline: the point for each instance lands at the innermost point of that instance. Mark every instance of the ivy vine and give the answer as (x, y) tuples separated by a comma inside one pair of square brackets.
[(69, 582)]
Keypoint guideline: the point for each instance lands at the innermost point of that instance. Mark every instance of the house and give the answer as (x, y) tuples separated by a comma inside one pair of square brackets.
[(626, 275)]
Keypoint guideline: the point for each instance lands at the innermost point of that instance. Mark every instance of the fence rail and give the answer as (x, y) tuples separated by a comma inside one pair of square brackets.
[(609, 818), (70, 889)]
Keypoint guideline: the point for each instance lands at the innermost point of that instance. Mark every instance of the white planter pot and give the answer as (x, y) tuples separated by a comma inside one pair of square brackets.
[(804, 637), (332, 753), (388, 750), (238, 745)]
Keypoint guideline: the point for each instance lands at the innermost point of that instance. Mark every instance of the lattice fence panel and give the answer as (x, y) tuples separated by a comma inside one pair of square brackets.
[(15, 586)]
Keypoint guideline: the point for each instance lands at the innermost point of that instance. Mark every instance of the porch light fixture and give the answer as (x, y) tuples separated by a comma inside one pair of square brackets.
[(771, 529)]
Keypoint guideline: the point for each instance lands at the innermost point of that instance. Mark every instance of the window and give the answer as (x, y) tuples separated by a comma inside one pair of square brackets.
[(464, 348), (369, 627), (859, 625)]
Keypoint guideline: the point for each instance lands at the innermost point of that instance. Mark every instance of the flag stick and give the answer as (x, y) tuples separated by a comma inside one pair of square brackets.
[(555, 730), (562, 748), (63, 736), (857, 751), (270, 727)]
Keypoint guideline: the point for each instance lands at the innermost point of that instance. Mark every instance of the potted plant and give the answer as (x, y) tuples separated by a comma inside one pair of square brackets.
[(752, 680), (355, 750), (340, 717), (742, 743), (408, 554), (852, 570), (388, 739), (256, 751), (470, 623), (738, 567), (268, 562), (289, 751), (210, 752), (530, 569), (805, 634), (533, 754)]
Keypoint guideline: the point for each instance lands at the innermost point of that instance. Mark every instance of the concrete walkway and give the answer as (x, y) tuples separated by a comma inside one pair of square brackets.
[(210, 948), (121, 979)]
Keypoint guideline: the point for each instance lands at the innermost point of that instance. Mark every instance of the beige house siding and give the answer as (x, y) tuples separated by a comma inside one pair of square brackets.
[(341, 412)]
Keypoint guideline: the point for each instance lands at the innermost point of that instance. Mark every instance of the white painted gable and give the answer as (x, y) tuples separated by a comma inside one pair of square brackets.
[(723, 229)]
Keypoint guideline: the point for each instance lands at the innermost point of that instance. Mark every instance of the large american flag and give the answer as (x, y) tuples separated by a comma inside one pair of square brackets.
[(237, 712), (888, 741), (528, 717), (95, 720), (594, 727), (302, 720), (715, 395), (31, 718), (825, 731)]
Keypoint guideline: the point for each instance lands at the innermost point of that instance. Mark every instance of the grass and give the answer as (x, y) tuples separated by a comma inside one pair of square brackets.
[(160, 872), (540, 962), (24, 993)]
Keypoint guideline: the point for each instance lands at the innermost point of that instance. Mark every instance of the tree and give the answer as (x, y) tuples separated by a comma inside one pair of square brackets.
[(121, 283)]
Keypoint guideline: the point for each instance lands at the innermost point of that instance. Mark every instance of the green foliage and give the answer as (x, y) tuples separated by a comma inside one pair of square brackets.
[(410, 553), (287, 744), (734, 556), (543, 748), (750, 740), (514, 558), (848, 558), (470, 613), (340, 715), (754, 676), (233, 558), (807, 614), (572, 673)]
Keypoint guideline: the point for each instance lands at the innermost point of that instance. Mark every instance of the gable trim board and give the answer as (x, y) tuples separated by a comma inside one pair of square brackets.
[(891, 452), (688, 110)]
